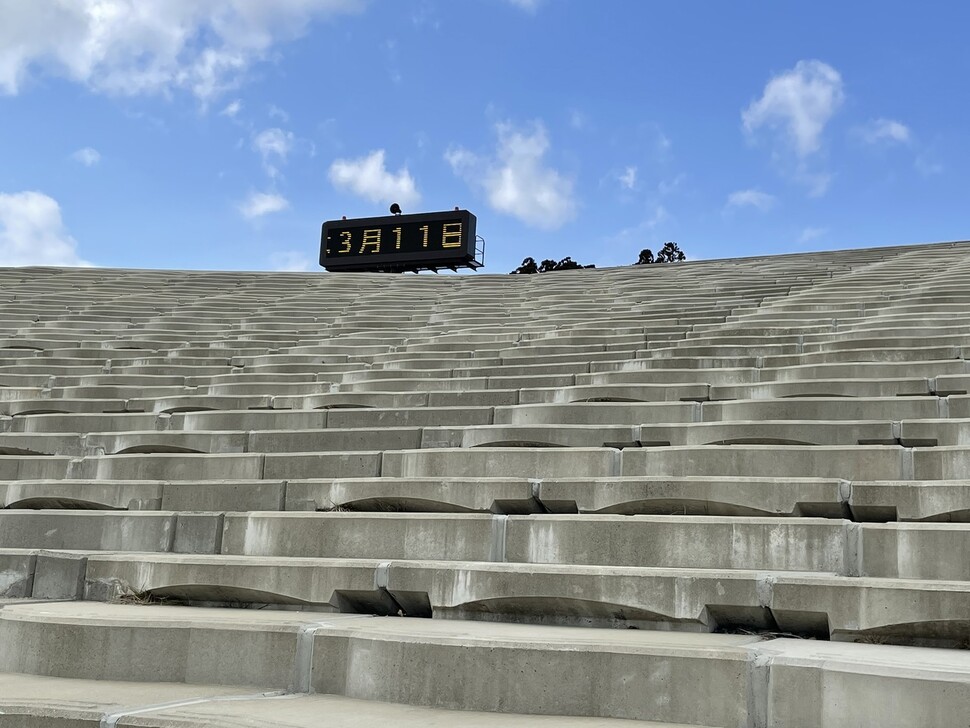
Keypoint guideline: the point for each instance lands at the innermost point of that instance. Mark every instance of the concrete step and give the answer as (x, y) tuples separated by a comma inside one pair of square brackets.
[(25, 703), (861, 609), (781, 432), (481, 666), (476, 666), (663, 541)]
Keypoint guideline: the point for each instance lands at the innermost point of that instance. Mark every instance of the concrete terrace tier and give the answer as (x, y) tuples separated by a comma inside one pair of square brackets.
[(727, 494)]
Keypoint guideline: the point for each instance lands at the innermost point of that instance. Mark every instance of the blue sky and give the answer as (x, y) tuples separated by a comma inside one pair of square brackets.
[(220, 134)]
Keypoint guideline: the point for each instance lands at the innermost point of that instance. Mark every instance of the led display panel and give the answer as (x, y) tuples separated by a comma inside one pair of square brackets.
[(426, 241)]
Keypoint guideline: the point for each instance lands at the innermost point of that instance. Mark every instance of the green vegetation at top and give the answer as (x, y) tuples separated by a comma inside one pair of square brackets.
[(669, 253)]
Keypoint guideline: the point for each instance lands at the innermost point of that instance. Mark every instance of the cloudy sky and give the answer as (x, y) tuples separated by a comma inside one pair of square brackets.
[(220, 134)]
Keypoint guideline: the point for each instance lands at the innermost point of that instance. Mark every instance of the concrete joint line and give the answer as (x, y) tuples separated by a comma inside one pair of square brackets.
[(845, 491), (852, 554), (499, 528), (303, 661), (382, 575), (535, 485), (283, 487), (697, 413), (74, 468), (907, 464), (109, 720), (765, 589), (172, 524), (617, 464), (759, 674), (944, 404)]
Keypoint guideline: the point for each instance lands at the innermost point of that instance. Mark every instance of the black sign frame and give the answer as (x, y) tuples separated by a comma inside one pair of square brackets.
[(424, 241)]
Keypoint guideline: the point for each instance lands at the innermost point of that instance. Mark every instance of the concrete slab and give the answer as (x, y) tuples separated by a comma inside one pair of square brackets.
[(16, 573), (92, 530), (813, 683), (81, 494), (498, 495), (530, 436), (913, 550), (812, 544), (596, 413), (329, 585), (860, 462), (465, 537), (695, 495), (908, 387), (153, 643), (917, 500), (822, 408), (768, 431), (484, 666), (521, 462)]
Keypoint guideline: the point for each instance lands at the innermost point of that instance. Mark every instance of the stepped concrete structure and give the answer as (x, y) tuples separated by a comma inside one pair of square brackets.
[(727, 493)]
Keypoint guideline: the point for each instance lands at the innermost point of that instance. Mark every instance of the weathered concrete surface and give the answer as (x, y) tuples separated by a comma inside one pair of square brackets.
[(466, 537), (25, 702), (814, 683), (105, 530), (153, 643), (555, 672), (771, 445)]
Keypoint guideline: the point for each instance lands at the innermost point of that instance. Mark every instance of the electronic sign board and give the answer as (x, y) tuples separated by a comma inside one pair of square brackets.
[(396, 243)]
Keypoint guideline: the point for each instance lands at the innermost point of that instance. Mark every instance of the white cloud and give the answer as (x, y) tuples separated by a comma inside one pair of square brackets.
[(665, 187), (87, 156), (367, 177), (275, 112), (927, 166), (751, 198), (629, 178), (528, 5), (810, 233), (290, 261), (800, 102), (130, 47), (884, 131), (817, 182), (32, 232), (578, 120), (660, 215), (515, 180), (262, 203), (273, 145), (232, 108)]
